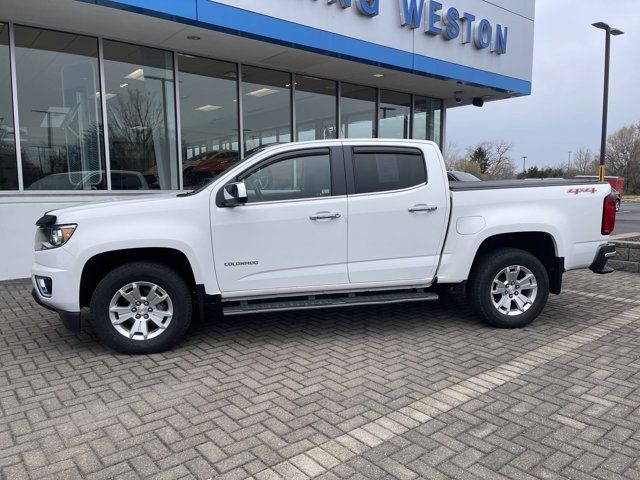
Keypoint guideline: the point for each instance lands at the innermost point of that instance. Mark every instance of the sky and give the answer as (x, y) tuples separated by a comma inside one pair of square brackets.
[(564, 111)]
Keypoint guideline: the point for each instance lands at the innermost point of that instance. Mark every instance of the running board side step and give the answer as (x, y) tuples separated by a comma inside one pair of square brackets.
[(329, 301)]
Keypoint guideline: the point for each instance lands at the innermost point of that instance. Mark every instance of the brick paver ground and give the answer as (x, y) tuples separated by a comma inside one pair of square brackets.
[(414, 391)]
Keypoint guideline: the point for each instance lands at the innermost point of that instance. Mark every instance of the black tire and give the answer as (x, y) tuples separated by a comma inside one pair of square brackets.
[(165, 278), (481, 280)]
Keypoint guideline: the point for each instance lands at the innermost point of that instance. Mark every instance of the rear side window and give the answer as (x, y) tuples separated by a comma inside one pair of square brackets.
[(387, 171)]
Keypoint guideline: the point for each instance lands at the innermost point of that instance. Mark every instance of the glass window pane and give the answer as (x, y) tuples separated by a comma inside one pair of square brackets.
[(380, 172), (8, 162), (358, 111), (266, 105), (209, 118), (141, 117), (60, 113), (437, 122), (316, 108), (395, 114), (426, 119), (291, 179)]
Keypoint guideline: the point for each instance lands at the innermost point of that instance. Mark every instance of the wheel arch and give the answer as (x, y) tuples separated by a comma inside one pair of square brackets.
[(540, 244), (101, 264)]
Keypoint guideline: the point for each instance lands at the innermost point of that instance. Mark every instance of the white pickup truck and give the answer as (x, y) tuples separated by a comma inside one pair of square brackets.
[(318, 225)]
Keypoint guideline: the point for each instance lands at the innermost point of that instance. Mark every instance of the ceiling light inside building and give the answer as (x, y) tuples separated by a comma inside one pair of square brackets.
[(208, 108), (136, 75), (193, 37), (124, 85), (378, 75), (263, 92)]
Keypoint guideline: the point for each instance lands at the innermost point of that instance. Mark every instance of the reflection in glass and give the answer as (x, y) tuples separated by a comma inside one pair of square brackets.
[(358, 111), (141, 117), (8, 162), (426, 119), (291, 179), (59, 107), (209, 118), (316, 108), (395, 114), (437, 122), (266, 106)]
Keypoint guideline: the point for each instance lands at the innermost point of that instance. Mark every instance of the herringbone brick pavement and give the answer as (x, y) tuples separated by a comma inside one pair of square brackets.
[(414, 391)]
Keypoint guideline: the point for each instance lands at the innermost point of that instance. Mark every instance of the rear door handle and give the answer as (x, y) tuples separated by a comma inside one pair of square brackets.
[(325, 216), (422, 208)]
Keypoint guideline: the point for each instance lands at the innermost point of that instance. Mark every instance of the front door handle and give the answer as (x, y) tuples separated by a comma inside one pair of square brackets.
[(422, 208), (325, 216)]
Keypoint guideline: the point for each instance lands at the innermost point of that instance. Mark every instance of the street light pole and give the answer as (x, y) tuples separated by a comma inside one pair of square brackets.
[(524, 164), (605, 103)]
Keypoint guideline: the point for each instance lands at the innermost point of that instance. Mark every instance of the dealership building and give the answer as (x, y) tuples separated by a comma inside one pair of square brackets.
[(103, 99)]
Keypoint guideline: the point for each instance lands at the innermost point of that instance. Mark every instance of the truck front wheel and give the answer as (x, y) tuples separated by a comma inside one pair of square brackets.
[(508, 288), (141, 308)]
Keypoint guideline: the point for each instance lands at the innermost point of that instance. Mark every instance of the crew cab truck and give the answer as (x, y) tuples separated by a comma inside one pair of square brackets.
[(317, 225)]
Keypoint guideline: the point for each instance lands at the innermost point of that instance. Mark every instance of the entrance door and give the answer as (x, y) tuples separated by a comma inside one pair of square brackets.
[(292, 233), (396, 216)]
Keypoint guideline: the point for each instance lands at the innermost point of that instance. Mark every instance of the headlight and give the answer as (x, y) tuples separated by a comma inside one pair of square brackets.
[(54, 237)]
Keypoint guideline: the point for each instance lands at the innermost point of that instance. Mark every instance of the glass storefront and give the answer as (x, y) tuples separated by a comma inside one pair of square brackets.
[(394, 114), (316, 103), (8, 161), (208, 117), (427, 115), (58, 89), (266, 107), (140, 97), (60, 100), (358, 110)]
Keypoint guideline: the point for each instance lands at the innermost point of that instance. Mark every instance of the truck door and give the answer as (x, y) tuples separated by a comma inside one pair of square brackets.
[(292, 232), (397, 214)]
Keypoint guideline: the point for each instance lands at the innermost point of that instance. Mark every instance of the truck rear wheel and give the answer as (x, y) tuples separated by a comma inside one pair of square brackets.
[(141, 308), (508, 288)]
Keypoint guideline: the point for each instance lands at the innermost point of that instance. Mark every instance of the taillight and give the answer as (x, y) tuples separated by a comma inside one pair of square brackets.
[(609, 214)]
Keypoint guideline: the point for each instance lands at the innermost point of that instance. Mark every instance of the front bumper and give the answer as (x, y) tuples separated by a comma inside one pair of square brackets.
[(71, 320), (605, 252), (58, 265)]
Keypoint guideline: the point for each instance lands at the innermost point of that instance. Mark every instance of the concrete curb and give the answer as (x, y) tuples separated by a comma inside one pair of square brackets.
[(627, 256)]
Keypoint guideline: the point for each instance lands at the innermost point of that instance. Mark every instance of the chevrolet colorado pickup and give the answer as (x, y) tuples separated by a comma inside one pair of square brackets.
[(318, 225)]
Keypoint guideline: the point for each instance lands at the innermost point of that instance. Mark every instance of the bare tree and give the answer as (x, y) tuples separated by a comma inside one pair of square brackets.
[(451, 155), (493, 159), (501, 163), (623, 155), (584, 162)]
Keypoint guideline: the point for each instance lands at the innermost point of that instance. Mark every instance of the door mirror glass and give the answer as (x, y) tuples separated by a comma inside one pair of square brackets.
[(235, 194)]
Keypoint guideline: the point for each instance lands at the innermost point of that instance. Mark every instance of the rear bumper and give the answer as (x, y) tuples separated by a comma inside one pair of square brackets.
[(605, 252), (71, 320)]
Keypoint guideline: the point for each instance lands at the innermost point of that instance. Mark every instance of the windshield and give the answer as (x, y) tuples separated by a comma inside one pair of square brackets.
[(465, 177)]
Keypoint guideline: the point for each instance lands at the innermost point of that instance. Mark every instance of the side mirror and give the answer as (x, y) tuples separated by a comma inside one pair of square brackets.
[(235, 194)]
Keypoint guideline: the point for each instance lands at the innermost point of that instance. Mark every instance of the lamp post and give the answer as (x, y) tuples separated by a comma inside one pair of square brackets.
[(524, 164), (605, 107)]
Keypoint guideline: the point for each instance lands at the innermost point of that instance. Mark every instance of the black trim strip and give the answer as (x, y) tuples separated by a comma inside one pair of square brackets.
[(47, 221), (382, 149)]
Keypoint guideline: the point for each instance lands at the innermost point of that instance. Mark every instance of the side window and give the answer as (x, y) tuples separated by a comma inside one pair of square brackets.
[(293, 178), (386, 171)]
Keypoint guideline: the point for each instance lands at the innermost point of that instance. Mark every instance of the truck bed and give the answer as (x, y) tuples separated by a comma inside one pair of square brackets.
[(528, 183)]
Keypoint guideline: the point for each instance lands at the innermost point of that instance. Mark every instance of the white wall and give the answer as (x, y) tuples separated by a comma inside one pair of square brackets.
[(18, 215)]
